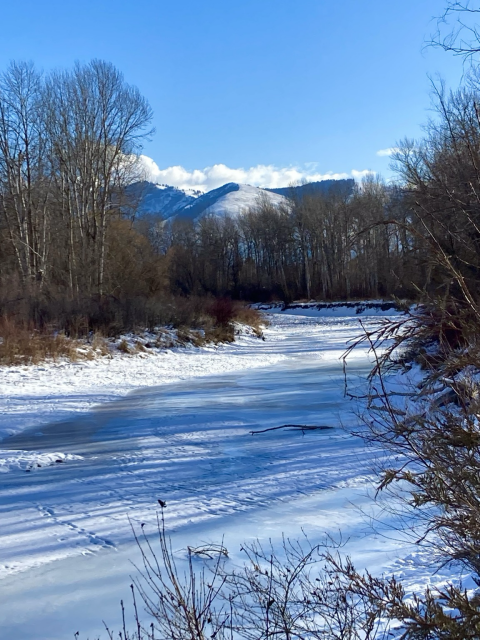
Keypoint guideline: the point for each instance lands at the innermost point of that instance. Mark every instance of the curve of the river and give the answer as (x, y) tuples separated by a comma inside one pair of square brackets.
[(66, 541)]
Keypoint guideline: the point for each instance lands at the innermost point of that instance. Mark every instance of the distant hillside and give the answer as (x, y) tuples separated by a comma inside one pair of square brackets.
[(340, 187), (231, 199), (160, 199)]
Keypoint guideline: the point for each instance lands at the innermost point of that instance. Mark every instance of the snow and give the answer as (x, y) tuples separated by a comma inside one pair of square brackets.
[(314, 309), (31, 460), (194, 193), (176, 427), (155, 198), (32, 395), (235, 203), (231, 199)]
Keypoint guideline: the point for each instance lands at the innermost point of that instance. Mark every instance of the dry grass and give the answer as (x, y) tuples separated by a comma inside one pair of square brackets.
[(100, 345), (220, 333), (123, 346), (191, 336), (23, 345), (139, 348)]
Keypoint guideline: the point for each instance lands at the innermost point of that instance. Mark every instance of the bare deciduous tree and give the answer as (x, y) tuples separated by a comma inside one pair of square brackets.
[(95, 123), (457, 29), (24, 179)]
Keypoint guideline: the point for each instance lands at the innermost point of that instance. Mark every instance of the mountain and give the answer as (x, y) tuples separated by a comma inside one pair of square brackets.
[(325, 187), (229, 200), (161, 199)]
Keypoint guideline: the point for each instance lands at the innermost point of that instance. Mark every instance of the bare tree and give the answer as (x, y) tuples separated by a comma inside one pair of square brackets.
[(96, 122), (457, 29), (24, 181)]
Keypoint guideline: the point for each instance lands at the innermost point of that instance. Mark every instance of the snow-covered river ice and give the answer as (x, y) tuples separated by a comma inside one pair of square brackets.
[(65, 536)]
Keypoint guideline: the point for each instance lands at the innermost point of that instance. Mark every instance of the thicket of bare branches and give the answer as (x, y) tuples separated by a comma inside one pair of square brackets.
[(433, 431), (457, 29), (326, 246), (293, 592)]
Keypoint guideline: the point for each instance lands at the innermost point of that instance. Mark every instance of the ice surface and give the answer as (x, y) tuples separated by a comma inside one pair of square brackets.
[(33, 395), (65, 537)]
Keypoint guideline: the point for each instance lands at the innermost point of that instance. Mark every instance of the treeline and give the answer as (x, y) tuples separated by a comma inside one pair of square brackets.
[(400, 239), (325, 246), (73, 256), (404, 239), (67, 144)]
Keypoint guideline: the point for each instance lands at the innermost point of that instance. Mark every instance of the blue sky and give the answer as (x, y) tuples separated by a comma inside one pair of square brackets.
[(280, 86)]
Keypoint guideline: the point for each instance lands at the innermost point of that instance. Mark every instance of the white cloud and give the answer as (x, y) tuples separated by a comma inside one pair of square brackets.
[(359, 175), (387, 152), (259, 176)]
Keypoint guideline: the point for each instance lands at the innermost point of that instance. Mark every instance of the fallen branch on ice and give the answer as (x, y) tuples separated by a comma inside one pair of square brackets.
[(295, 427), (210, 550)]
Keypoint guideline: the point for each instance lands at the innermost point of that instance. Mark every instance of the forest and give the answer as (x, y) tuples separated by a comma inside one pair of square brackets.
[(74, 256)]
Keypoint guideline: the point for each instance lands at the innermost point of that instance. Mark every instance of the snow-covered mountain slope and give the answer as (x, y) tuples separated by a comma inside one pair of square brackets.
[(160, 199), (230, 200)]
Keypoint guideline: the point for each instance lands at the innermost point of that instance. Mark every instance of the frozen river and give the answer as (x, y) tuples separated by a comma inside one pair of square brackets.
[(65, 538)]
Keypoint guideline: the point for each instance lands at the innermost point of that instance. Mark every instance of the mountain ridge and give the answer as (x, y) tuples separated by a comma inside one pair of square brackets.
[(231, 199), (343, 186)]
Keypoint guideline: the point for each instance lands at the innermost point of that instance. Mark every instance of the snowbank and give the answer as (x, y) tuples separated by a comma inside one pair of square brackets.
[(313, 309)]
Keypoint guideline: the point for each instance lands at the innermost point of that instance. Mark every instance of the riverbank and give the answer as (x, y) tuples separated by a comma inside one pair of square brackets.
[(31, 395), (34, 394)]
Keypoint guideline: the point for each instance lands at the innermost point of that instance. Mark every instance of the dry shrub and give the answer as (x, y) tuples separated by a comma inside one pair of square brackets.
[(199, 320), (295, 591), (189, 336), (245, 314), (222, 310), (123, 346), (191, 311), (220, 333), (164, 340)]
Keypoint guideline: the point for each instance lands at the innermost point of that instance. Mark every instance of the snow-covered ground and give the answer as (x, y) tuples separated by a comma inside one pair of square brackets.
[(176, 427), (35, 394)]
